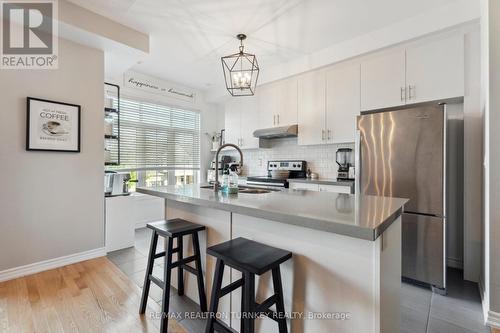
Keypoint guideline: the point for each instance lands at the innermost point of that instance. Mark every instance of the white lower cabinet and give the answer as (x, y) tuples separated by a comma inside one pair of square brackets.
[(120, 224), (304, 186), (320, 187), (335, 188), (126, 213)]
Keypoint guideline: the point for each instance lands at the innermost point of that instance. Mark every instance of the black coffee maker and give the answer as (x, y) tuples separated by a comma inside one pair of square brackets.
[(343, 158)]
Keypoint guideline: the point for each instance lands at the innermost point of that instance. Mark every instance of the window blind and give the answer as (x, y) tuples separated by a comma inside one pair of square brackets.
[(158, 136)]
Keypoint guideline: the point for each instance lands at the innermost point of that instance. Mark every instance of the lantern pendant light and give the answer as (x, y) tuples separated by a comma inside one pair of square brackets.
[(241, 71)]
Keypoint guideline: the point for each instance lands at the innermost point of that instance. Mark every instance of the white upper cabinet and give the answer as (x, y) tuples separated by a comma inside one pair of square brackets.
[(241, 120), (312, 108), (277, 103), (342, 102), (430, 71), (285, 93), (383, 81), (232, 120), (266, 105), (249, 123), (435, 70)]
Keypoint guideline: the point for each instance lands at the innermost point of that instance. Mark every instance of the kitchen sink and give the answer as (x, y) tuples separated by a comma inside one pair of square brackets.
[(245, 189), (253, 190)]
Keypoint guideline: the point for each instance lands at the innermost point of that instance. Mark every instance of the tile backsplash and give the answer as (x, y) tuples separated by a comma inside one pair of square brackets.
[(320, 158)]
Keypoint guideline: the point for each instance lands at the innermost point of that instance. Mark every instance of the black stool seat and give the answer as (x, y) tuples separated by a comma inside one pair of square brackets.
[(250, 258), (170, 230), (247, 255), (175, 227)]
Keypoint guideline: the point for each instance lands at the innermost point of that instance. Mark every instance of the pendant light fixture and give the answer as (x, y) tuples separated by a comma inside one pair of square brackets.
[(241, 71)]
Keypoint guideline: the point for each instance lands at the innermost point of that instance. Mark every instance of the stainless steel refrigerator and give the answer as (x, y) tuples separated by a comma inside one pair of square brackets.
[(403, 153)]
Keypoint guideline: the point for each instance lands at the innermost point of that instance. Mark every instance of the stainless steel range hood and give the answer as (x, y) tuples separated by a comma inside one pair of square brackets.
[(277, 132)]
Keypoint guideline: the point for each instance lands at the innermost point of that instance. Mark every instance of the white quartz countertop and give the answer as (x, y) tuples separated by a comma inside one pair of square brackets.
[(358, 216)]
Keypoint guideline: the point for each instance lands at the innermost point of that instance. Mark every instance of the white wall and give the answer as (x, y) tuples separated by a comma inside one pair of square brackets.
[(491, 105), (52, 203)]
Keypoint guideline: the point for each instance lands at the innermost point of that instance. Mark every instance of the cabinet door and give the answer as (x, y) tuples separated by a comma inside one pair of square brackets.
[(285, 93), (342, 103), (335, 189), (232, 121), (249, 122), (312, 106), (304, 186), (435, 70), (266, 104), (383, 81)]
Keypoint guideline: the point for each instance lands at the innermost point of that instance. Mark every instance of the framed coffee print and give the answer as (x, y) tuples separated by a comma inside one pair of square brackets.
[(52, 126)]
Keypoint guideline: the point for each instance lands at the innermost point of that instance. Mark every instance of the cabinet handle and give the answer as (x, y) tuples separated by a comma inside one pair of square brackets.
[(329, 134), (403, 93), (274, 119), (241, 142), (278, 119), (410, 90), (323, 135)]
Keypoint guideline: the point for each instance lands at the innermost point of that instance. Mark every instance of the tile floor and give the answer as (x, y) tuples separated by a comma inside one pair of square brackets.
[(421, 311)]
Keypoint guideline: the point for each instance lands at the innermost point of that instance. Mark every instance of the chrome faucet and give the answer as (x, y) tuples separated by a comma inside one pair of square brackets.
[(216, 184)]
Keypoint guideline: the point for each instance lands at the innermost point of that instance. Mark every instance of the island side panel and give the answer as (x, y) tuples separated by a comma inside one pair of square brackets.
[(388, 280), (218, 230), (328, 273)]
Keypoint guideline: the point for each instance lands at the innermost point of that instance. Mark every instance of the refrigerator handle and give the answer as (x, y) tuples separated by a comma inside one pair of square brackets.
[(357, 159)]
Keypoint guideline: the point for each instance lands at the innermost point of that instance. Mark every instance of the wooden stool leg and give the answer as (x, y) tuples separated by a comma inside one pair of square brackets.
[(166, 286), (249, 302), (280, 304), (180, 271), (201, 286), (149, 271), (214, 298)]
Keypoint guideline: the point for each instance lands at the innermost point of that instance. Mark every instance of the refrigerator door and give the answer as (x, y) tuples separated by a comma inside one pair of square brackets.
[(423, 250), (402, 155)]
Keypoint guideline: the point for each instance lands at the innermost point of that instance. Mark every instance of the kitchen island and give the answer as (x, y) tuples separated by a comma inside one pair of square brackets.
[(345, 274)]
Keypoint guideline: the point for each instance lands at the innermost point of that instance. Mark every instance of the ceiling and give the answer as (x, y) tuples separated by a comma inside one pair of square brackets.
[(188, 37)]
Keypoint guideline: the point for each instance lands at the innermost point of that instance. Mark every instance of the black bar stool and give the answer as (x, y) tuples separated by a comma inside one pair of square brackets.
[(176, 228), (249, 258)]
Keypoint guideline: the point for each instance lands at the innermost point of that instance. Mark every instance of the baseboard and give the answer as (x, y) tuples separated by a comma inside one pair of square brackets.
[(454, 263), (493, 319), (484, 301), (17, 272)]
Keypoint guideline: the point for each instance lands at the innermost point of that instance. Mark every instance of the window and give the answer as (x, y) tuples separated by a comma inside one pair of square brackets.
[(160, 143)]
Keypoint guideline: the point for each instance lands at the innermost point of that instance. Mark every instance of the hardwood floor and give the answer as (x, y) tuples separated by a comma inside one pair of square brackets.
[(91, 296)]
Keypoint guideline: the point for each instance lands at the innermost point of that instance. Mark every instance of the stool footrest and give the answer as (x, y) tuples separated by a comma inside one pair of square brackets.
[(221, 326), (264, 306), (190, 269), (159, 255), (230, 287), (183, 261), (156, 281)]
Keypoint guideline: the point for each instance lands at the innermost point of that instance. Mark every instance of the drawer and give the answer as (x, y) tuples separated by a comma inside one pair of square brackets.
[(304, 186), (335, 188)]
